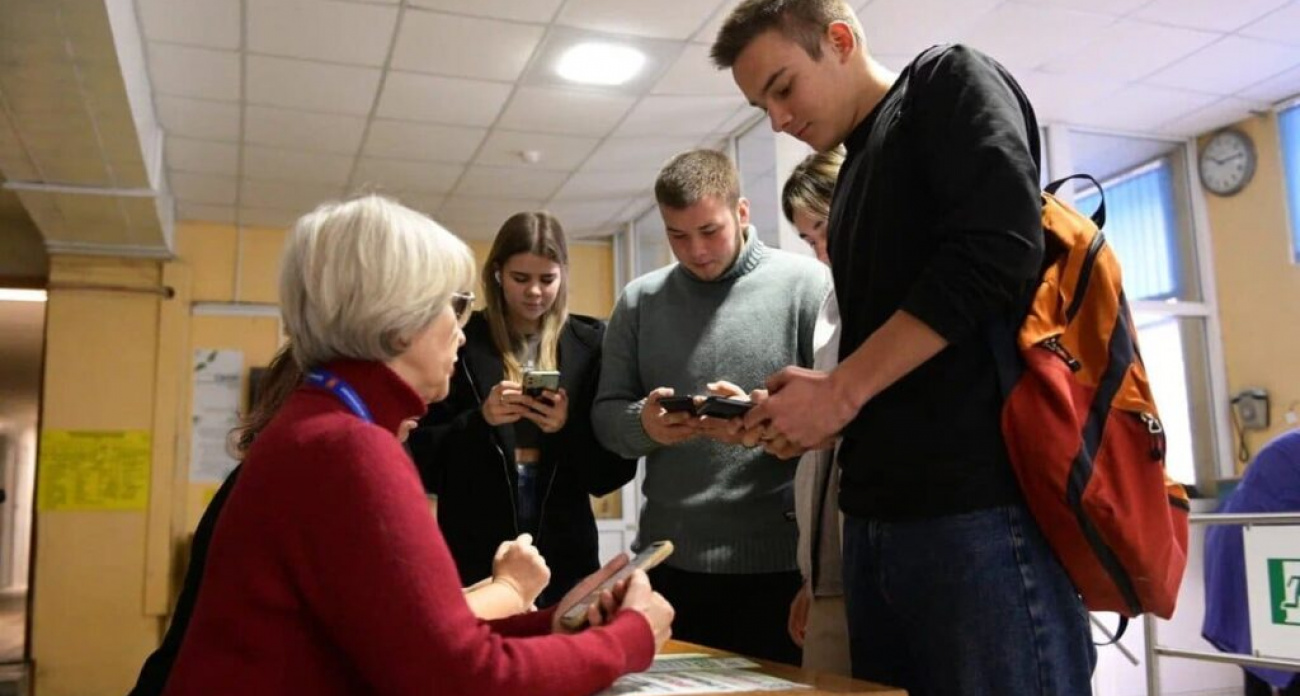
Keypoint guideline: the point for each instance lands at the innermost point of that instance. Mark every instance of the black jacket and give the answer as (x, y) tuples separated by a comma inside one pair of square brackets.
[(470, 465), (946, 225)]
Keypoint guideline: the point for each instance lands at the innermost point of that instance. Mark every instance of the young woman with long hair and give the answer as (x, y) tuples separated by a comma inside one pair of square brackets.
[(504, 463)]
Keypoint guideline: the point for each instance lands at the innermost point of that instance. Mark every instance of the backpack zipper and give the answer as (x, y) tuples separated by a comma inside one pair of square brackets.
[(1053, 344), (1156, 431)]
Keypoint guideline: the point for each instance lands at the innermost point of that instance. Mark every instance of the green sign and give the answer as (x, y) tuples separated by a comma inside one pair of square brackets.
[(1284, 590)]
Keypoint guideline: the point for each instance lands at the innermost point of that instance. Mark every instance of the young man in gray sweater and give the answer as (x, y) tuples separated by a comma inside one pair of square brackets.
[(734, 310)]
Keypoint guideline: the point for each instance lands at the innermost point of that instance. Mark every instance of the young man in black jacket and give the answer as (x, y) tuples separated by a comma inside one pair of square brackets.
[(934, 233)]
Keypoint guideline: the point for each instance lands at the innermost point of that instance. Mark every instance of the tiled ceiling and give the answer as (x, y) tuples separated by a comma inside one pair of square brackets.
[(272, 105)]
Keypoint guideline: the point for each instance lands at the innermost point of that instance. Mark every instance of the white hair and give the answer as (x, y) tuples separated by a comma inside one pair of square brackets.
[(361, 277)]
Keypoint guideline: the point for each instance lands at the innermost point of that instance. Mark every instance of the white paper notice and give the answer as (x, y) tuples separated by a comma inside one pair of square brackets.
[(698, 674), (216, 411)]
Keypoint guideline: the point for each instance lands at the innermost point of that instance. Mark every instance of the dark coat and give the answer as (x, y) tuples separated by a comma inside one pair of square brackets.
[(470, 465)]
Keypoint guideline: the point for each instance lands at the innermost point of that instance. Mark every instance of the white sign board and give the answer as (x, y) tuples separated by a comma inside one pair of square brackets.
[(1273, 588), (216, 412)]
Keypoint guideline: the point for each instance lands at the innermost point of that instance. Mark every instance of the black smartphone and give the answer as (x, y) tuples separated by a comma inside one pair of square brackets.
[(678, 404), (722, 407), (537, 381), (650, 556)]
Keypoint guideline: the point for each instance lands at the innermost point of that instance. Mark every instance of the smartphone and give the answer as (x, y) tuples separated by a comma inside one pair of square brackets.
[(651, 556), (537, 381), (678, 404), (722, 407)]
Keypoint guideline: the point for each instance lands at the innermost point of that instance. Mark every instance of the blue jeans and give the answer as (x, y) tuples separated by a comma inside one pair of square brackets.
[(973, 604)]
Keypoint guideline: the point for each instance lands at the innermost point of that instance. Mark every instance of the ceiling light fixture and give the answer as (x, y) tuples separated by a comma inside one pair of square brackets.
[(16, 295), (600, 64)]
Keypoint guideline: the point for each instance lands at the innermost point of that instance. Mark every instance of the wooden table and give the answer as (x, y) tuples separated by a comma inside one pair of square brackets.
[(821, 682)]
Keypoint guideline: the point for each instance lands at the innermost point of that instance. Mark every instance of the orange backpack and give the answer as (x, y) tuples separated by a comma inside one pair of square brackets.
[(1082, 430)]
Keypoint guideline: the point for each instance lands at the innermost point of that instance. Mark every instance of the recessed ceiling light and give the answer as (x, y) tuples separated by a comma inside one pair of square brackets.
[(600, 64), (16, 295)]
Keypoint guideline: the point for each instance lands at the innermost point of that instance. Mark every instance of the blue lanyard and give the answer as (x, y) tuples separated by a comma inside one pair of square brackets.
[(344, 391)]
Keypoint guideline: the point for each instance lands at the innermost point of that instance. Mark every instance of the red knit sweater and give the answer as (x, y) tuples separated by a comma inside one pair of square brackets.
[(327, 575)]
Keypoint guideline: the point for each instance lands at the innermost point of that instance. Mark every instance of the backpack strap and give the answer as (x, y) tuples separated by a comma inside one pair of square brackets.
[(1099, 216)]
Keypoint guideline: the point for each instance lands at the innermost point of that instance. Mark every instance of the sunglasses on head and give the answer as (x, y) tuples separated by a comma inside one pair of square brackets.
[(462, 303)]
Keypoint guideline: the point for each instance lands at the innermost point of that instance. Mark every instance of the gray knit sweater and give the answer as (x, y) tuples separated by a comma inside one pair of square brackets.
[(724, 507)]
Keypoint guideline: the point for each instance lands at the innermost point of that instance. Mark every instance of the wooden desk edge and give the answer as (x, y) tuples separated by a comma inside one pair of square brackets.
[(822, 682)]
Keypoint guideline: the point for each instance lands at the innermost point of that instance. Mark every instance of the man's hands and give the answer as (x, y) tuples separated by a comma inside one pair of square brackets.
[(663, 427), (797, 624), (806, 408), (520, 566), (507, 403)]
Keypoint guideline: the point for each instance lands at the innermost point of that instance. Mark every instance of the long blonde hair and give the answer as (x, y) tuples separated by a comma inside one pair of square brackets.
[(526, 233)]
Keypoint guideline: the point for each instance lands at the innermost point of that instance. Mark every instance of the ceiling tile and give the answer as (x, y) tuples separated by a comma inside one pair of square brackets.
[(745, 114), (709, 32), (265, 217), (1059, 98), (1228, 66), (1283, 86), (1282, 26), (1118, 8), (299, 84), (577, 216), (210, 23), (667, 19), (198, 119), (554, 110), (202, 188), (184, 71), (648, 153), (341, 32), (679, 115), (296, 165), (202, 156), (557, 152), (205, 213), (1130, 49), (1213, 15), (405, 175), (693, 74), (421, 141), (586, 185), (452, 45), (424, 203), (445, 100), (908, 27), (540, 11), (1212, 117), (264, 125), (485, 211), (286, 195), (1139, 108), (1026, 36), (522, 183)]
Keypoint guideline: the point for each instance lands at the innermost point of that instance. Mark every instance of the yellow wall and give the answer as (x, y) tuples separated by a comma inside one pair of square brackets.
[(99, 575), (1258, 283)]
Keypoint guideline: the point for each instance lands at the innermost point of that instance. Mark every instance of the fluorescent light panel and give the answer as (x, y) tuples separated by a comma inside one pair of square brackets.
[(600, 63), (16, 295)]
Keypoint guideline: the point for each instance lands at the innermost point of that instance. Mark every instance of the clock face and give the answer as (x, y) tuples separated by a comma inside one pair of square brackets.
[(1227, 163)]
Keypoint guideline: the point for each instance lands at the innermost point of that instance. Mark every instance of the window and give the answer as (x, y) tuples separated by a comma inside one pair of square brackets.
[(1141, 227), (1149, 226), (1289, 126)]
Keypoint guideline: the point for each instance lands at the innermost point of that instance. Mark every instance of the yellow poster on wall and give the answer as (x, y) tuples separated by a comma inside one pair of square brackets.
[(93, 470)]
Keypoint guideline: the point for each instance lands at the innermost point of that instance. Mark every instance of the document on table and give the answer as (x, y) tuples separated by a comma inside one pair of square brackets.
[(693, 673)]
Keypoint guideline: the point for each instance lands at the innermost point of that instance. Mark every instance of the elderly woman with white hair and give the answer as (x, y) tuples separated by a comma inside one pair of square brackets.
[(326, 573)]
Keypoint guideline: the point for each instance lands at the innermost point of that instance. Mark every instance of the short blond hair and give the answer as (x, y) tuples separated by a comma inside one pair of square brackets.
[(696, 174), (811, 184), (361, 277)]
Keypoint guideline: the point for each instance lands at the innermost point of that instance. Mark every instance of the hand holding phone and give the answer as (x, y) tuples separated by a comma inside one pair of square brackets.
[(723, 407), (575, 617), (678, 404), (538, 381)]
